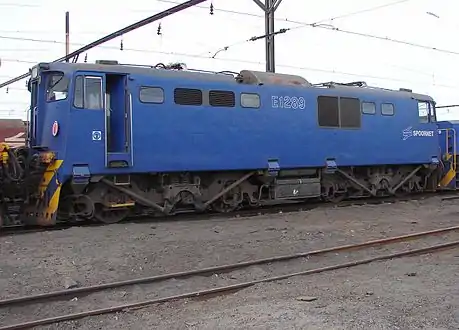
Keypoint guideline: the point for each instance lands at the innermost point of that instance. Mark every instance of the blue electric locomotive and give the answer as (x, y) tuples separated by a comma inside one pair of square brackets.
[(118, 139)]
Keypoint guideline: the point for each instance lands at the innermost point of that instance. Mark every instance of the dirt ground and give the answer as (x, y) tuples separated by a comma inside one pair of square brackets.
[(419, 292)]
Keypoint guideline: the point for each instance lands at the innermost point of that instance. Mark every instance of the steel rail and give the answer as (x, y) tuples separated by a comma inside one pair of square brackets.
[(250, 212), (201, 293), (223, 268)]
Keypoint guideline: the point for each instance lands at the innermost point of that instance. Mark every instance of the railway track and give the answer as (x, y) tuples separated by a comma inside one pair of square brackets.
[(285, 266), (247, 213)]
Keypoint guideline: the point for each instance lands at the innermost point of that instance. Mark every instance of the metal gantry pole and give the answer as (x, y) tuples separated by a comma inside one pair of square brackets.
[(67, 34), (269, 7)]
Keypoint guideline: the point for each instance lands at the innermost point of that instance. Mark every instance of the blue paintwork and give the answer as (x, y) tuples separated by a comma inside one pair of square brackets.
[(168, 137)]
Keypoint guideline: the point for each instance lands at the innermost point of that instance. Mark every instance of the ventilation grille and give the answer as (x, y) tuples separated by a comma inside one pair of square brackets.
[(185, 96), (222, 99)]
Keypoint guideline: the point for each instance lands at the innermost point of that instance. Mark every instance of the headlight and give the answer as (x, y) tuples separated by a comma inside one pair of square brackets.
[(34, 73)]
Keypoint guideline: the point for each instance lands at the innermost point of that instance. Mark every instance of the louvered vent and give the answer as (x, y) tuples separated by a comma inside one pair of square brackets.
[(222, 99), (186, 96)]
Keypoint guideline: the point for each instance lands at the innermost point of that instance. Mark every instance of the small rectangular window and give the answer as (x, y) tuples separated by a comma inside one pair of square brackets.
[(349, 112), (88, 93), (93, 93), (151, 95), (387, 109), (222, 99), (78, 94), (423, 112), (328, 111), (249, 100), (368, 108), (186, 96)]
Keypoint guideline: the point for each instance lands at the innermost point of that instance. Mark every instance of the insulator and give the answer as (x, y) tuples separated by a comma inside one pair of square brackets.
[(158, 32), (211, 8), (86, 58), (121, 45)]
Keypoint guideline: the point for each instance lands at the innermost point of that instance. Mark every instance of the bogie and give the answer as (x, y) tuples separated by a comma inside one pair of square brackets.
[(226, 192)]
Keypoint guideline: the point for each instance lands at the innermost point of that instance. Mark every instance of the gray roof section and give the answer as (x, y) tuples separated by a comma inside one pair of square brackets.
[(267, 78), (143, 70)]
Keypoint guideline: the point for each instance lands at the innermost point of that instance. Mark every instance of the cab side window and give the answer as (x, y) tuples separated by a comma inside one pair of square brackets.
[(88, 93), (423, 112), (78, 94), (57, 87)]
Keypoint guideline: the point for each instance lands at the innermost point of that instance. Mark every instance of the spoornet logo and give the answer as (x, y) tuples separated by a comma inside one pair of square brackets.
[(409, 132)]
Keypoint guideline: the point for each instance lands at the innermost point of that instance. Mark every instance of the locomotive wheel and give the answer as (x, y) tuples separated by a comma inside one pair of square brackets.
[(109, 216), (229, 202), (335, 198), (223, 207), (404, 190), (332, 195)]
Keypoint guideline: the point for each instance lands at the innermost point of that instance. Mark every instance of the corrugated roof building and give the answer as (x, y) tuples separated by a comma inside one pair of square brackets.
[(13, 132)]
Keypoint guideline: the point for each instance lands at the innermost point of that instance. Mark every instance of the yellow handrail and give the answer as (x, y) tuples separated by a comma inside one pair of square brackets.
[(454, 155)]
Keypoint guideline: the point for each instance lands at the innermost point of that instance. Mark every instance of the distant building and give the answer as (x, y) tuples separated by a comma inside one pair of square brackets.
[(13, 132)]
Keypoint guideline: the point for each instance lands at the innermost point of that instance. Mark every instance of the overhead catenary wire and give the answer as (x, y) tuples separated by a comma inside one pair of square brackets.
[(312, 69), (362, 11), (302, 24), (319, 25), (129, 28), (229, 11), (24, 5)]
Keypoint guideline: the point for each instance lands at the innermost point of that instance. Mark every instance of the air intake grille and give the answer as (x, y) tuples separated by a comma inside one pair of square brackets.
[(222, 99), (186, 96)]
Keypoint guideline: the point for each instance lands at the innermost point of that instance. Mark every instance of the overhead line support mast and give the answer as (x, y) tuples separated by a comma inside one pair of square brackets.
[(269, 7)]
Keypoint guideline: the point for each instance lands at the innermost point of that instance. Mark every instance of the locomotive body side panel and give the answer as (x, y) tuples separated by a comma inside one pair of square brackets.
[(125, 139)]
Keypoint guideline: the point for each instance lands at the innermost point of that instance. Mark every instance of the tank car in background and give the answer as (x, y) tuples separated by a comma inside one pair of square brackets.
[(130, 139)]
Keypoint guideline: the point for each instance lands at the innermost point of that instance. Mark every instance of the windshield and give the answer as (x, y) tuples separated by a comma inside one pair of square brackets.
[(56, 87)]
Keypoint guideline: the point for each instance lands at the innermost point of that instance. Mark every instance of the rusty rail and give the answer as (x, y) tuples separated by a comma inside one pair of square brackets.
[(211, 270), (238, 286), (223, 268)]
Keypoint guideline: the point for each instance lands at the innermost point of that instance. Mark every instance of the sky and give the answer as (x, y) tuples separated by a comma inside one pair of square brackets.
[(34, 31)]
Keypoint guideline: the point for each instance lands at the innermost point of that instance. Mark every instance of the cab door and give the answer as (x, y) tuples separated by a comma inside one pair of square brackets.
[(86, 140), (118, 122), (101, 111)]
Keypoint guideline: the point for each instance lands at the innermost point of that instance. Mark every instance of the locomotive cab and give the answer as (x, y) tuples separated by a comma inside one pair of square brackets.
[(92, 108), (49, 103), (81, 113)]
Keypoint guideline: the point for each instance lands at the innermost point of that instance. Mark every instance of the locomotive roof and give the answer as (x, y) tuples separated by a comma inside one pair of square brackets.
[(141, 70), (391, 92), (263, 77)]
